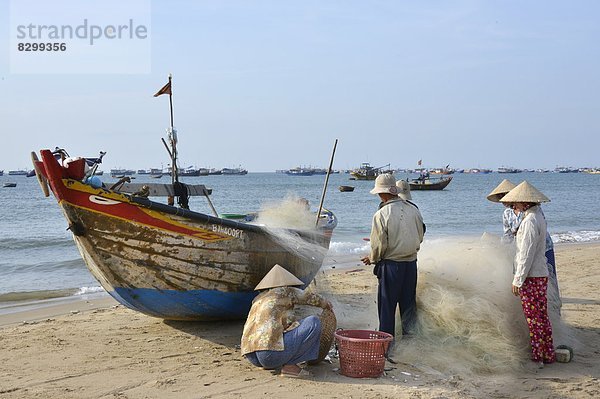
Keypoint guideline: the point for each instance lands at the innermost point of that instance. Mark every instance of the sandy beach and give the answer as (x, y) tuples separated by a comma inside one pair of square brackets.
[(94, 348)]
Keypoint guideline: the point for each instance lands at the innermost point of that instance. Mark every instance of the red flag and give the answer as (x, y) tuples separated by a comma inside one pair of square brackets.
[(418, 163), (166, 89)]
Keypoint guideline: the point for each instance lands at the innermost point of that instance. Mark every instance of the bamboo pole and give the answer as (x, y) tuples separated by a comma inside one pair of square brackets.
[(326, 182)]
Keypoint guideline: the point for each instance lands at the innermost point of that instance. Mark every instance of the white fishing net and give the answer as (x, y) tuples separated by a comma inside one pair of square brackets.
[(468, 318)]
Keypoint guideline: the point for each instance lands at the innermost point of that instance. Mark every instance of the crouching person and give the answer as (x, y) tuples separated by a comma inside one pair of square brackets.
[(272, 338)]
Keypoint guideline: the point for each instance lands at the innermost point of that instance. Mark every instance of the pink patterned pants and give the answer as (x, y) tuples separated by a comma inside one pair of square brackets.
[(535, 307)]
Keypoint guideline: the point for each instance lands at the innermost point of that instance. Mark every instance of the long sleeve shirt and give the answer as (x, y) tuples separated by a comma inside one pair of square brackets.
[(530, 259), (511, 222), (271, 315), (396, 232)]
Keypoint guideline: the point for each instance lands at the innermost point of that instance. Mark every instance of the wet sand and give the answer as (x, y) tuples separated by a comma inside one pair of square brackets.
[(93, 348)]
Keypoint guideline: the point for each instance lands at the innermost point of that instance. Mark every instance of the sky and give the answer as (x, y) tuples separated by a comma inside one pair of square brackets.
[(271, 84)]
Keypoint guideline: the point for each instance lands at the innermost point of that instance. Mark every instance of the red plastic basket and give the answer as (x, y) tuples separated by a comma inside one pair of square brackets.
[(362, 352)]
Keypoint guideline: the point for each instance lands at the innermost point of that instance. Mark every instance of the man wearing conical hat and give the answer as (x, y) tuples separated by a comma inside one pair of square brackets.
[(530, 280), (396, 236), (272, 338)]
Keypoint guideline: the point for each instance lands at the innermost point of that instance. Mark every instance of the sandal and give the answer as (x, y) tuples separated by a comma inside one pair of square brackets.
[(294, 372)]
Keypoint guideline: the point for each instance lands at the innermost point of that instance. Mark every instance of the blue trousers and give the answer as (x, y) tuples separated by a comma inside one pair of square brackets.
[(397, 287), (300, 344), (551, 261)]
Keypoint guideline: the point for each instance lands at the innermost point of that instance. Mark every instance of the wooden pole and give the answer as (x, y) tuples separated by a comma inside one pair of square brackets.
[(171, 99), (326, 182)]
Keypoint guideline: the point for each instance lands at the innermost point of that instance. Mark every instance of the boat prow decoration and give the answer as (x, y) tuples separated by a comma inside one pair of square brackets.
[(171, 262)]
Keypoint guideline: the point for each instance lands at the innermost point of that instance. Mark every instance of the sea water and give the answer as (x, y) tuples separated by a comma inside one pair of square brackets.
[(38, 258)]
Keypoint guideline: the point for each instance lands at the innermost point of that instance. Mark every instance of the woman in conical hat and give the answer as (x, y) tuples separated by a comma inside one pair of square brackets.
[(510, 217), (272, 339), (530, 280)]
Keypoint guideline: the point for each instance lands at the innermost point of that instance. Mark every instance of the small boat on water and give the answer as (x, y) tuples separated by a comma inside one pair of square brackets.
[(166, 260), (346, 188), (1, 172), (10, 184), (429, 183)]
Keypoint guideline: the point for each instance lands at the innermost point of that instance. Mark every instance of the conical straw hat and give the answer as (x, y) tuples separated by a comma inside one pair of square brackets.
[(500, 191), (277, 277), (525, 192)]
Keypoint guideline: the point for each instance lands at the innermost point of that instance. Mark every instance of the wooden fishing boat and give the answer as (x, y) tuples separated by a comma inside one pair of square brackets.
[(430, 183), (168, 261), (368, 172), (346, 188), (9, 184), (171, 262)]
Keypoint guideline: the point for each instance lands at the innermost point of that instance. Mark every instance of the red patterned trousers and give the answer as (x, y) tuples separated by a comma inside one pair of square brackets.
[(535, 307)]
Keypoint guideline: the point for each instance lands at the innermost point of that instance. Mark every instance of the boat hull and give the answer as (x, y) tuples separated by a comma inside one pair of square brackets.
[(173, 263), (426, 185)]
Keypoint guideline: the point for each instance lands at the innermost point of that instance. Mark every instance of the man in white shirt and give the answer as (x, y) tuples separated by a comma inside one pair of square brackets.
[(396, 236)]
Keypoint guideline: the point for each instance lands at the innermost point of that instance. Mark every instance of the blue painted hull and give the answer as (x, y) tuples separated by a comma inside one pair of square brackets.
[(186, 305)]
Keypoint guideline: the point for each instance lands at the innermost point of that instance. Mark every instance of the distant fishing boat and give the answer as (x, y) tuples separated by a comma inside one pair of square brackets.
[(10, 184), (565, 169), (506, 169), (168, 261), (346, 188), (151, 171), (1, 172), (20, 172), (429, 183), (191, 171), (298, 171), (368, 172), (118, 173), (234, 171), (447, 170)]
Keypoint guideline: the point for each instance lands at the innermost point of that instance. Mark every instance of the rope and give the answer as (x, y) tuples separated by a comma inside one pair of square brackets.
[(183, 197)]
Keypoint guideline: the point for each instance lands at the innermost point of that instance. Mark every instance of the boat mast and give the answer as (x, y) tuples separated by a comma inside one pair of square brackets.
[(172, 134), (171, 131)]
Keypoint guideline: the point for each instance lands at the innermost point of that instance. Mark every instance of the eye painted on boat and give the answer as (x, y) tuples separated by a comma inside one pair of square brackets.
[(103, 201)]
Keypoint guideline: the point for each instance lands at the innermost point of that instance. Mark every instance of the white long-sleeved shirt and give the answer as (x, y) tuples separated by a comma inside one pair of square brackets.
[(530, 260), (396, 232)]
